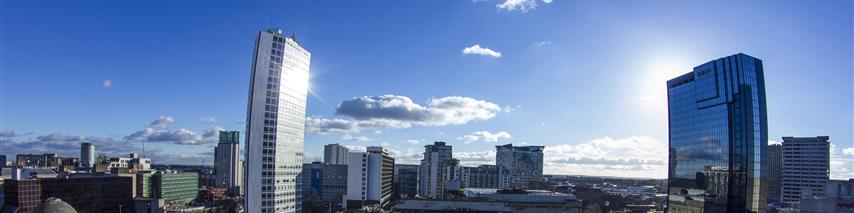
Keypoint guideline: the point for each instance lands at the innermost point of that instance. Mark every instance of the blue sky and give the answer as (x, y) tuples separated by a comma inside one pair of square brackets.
[(584, 78)]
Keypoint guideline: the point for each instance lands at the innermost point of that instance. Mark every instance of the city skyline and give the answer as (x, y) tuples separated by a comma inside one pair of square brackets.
[(593, 94)]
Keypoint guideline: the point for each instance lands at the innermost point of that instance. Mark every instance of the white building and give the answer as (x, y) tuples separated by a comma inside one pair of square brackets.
[(806, 168), (227, 162), (275, 123), (335, 154), (370, 176)]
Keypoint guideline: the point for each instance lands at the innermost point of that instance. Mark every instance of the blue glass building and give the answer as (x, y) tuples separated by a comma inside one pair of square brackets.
[(718, 137)]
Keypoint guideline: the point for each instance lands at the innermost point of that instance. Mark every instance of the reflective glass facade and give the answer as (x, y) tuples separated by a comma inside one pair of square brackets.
[(275, 123), (718, 137)]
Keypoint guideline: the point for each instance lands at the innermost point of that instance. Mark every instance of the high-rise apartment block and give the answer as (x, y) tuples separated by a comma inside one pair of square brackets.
[(525, 163), (275, 123), (227, 166), (369, 178), (806, 168), (718, 131), (335, 154), (485, 176), (432, 175)]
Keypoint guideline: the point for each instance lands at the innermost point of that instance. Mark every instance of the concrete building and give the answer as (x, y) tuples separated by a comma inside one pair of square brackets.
[(718, 137), (369, 178), (485, 176), (839, 198), (525, 163), (775, 172), (335, 154), (275, 123), (806, 168), (86, 194), (43, 160), (431, 175), (172, 188), (227, 166), (87, 155), (132, 162), (405, 181), (333, 183), (498, 201)]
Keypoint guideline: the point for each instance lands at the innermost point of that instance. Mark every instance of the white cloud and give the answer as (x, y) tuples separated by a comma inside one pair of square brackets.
[(633, 156), (509, 109), (108, 84), (521, 5), (393, 112), (208, 120), (478, 50), (413, 141), (485, 135), (543, 43), (848, 151), (163, 122), (349, 137), (773, 142)]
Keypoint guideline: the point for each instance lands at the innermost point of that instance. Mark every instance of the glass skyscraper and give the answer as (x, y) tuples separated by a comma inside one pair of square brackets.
[(718, 137), (275, 122)]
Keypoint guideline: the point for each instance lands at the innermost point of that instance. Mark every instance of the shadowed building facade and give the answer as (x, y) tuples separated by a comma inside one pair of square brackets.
[(718, 137)]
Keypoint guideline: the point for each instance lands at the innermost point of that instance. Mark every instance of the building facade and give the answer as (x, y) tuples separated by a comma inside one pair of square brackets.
[(87, 155), (431, 175), (485, 176), (335, 154), (775, 172), (718, 137), (806, 168), (405, 181), (525, 163), (275, 123), (227, 164), (85, 194), (172, 188), (369, 178)]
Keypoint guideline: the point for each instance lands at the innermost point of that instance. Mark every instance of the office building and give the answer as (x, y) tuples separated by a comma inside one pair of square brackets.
[(431, 177), (718, 137), (43, 160), (132, 163), (333, 183), (775, 172), (485, 176), (838, 198), (806, 168), (173, 188), (85, 194), (87, 155), (405, 181), (369, 178), (335, 154), (323, 186), (227, 165), (311, 179), (525, 163), (275, 123)]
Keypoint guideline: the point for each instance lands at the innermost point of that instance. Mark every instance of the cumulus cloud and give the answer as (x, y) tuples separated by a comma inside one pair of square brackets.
[(848, 151), (478, 50), (413, 141), (521, 5), (7, 134), (349, 137), (162, 122), (156, 132), (627, 157), (108, 84), (63, 144), (208, 120), (394, 112), (485, 135)]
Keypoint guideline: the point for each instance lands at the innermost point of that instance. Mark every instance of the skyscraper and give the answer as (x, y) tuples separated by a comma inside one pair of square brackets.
[(775, 172), (275, 123), (369, 178), (431, 177), (525, 163), (806, 168), (87, 155), (335, 154), (227, 161), (718, 137)]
